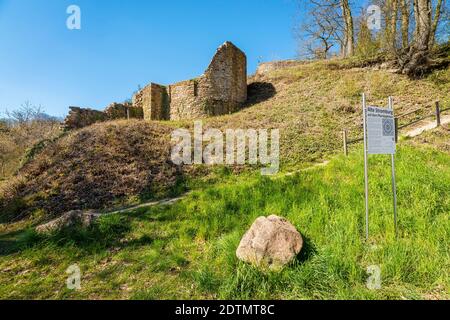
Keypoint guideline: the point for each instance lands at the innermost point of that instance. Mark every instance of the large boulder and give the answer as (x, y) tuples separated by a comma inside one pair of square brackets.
[(68, 219), (270, 242)]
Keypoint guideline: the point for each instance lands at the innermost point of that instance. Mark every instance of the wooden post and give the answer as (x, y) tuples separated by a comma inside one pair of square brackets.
[(396, 129), (128, 114), (344, 135), (438, 115)]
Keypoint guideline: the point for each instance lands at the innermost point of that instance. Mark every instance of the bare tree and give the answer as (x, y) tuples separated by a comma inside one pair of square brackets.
[(26, 113), (25, 127), (405, 6), (418, 59), (437, 15), (392, 28), (325, 27), (349, 30), (319, 33), (409, 31)]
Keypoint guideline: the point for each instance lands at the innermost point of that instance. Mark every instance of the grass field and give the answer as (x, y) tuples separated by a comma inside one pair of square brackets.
[(187, 250)]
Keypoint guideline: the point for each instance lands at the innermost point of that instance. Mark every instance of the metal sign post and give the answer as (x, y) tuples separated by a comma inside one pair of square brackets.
[(379, 138), (394, 187), (366, 179)]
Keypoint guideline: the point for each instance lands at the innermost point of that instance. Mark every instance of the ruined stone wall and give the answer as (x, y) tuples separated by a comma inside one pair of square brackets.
[(123, 111), (82, 117), (159, 103), (183, 98), (154, 101), (222, 89), (226, 76)]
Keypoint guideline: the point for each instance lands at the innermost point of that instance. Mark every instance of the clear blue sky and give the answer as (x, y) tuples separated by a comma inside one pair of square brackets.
[(123, 44)]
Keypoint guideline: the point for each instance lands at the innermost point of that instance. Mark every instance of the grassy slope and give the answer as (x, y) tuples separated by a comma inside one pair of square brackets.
[(121, 162), (315, 101), (107, 163), (188, 250)]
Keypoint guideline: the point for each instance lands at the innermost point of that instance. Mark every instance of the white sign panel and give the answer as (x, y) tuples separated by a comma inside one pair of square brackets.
[(380, 130)]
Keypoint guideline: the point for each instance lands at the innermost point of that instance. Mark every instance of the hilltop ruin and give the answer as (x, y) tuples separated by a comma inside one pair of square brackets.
[(221, 89)]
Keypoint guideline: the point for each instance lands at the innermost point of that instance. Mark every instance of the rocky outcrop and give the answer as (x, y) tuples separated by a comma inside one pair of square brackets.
[(270, 242)]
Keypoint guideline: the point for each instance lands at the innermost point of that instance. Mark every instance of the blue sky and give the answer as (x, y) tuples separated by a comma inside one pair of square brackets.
[(123, 44)]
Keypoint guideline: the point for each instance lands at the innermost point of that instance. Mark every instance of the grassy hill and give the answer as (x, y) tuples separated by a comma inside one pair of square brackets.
[(124, 162), (187, 250)]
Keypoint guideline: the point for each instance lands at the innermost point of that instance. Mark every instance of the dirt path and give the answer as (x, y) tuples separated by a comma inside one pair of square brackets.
[(425, 126), (163, 202)]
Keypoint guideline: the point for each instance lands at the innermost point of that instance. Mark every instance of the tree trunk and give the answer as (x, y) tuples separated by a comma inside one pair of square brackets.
[(416, 62), (393, 24), (349, 32), (405, 6), (422, 13), (437, 16)]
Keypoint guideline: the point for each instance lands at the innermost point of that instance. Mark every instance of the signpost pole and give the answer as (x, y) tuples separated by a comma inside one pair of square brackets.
[(366, 185), (394, 188)]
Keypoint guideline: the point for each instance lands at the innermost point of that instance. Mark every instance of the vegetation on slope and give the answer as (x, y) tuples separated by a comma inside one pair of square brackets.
[(187, 250), (115, 163), (26, 131), (95, 166), (438, 138), (313, 103)]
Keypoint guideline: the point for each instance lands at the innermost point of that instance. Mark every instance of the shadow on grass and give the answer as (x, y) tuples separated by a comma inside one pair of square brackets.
[(308, 250), (258, 92), (9, 242), (104, 233), (154, 214), (107, 232)]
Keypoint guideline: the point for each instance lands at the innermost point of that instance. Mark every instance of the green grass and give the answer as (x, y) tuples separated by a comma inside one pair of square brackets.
[(187, 250)]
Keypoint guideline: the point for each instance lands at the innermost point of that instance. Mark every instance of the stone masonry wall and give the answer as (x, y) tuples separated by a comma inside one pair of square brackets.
[(83, 117), (226, 76), (222, 89), (183, 100), (122, 111), (154, 102)]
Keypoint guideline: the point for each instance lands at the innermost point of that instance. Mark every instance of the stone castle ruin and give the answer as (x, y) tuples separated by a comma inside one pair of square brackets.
[(222, 89)]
